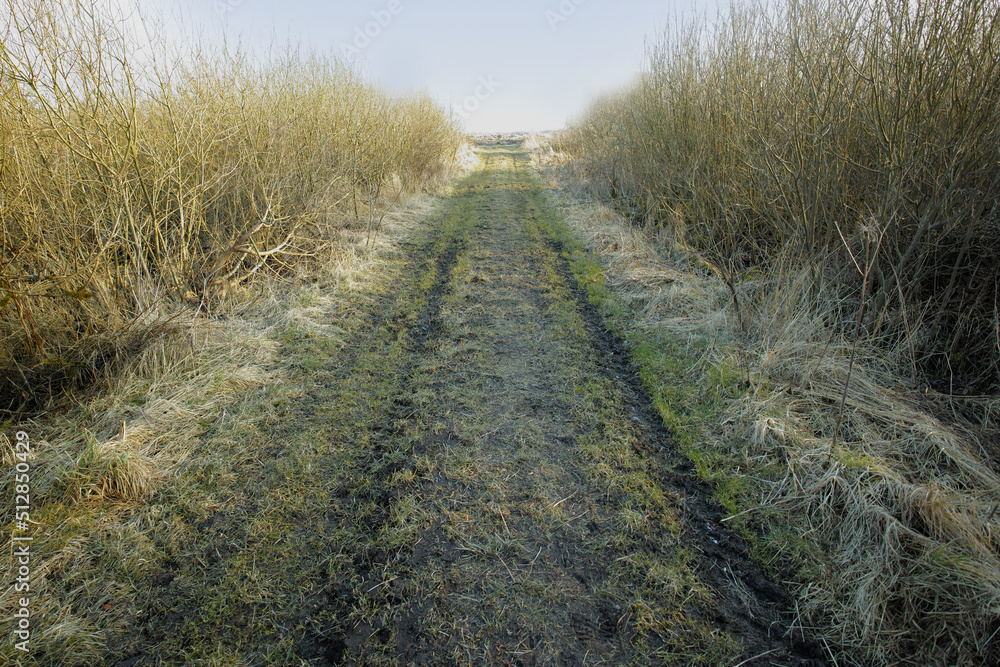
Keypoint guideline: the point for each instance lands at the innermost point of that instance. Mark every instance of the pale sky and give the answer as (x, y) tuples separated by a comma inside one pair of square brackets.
[(502, 65)]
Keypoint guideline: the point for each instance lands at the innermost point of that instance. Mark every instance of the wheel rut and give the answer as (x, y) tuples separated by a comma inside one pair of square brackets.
[(475, 477), (532, 508)]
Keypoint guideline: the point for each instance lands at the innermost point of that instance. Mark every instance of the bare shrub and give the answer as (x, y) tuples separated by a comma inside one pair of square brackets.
[(124, 187), (797, 134)]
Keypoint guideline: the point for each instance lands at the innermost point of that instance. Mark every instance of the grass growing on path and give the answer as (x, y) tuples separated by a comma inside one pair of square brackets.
[(464, 470)]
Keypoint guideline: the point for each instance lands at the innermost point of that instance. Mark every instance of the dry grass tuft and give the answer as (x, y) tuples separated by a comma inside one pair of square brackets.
[(109, 473)]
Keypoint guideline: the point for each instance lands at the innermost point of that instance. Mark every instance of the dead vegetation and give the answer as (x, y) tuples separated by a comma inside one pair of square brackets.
[(134, 184), (165, 228), (815, 190), (111, 477), (849, 151), (883, 506)]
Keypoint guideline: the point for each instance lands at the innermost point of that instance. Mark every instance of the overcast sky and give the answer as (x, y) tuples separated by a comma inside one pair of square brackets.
[(502, 65)]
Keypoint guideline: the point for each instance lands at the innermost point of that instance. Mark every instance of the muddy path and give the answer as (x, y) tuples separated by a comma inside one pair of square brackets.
[(478, 477)]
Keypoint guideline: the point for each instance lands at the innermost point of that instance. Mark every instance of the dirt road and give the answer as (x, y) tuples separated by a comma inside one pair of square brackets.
[(476, 477)]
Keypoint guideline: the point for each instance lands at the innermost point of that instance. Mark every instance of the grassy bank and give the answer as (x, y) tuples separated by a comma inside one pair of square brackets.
[(884, 532), (814, 189), (202, 441), (167, 229)]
